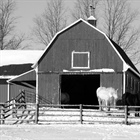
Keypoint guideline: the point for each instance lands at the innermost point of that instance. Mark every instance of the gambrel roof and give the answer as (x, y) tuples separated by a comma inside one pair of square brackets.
[(127, 64), (15, 57), (12, 70), (124, 56)]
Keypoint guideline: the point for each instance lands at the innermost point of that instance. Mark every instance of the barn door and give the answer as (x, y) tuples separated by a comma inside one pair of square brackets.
[(49, 87)]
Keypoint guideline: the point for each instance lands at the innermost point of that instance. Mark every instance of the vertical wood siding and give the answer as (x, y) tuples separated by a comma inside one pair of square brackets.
[(49, 87), (80, 38), (15, 90), (3, 90), (132, 83)]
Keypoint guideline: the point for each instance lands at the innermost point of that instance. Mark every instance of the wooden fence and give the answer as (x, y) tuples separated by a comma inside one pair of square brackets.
[(48, 113)]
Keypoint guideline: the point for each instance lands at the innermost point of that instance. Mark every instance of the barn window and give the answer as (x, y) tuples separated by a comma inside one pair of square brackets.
[(80, 60), (127, 80)]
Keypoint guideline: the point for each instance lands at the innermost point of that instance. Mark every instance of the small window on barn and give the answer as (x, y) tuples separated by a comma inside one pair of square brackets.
[(80, 60), (127, 80)]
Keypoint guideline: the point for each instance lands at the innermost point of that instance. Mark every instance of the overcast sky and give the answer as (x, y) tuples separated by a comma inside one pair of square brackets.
[(28, 9)]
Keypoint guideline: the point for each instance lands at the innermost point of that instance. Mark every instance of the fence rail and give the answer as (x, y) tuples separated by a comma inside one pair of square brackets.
[(49, 113)]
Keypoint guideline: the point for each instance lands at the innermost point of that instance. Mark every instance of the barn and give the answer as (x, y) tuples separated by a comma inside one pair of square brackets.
[(78, 60), (12, 64)]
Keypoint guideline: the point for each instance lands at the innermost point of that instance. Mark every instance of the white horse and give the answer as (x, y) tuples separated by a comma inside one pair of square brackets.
[(106, 96)]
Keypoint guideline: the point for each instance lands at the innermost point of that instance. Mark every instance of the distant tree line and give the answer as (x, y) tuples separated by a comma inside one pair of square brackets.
[(8, 38)]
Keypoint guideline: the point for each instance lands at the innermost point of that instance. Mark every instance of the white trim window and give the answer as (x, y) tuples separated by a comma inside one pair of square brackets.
[(80, 60)]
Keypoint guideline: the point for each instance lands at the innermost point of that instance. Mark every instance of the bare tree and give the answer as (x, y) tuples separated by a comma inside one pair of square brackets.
[(81, 8), (119, 20), (15, 42), (8, 40), (50, 22)]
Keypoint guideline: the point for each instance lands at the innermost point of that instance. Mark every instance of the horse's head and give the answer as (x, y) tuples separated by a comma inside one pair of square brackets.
[(113, 93)]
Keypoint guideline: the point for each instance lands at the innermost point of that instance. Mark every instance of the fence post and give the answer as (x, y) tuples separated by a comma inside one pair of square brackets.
[(81, 113), (14, 109), (23, 96), (126, 114), (1, 115), (36, 113)]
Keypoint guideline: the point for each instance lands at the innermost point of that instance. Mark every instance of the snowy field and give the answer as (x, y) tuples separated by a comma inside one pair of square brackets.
[(70, 132)]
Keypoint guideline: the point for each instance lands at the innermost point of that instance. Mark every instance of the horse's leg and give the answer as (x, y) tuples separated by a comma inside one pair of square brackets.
[(136, 114), (114, 103), (100, 108), (104, 105), (100, 103), (108, 105), (139, 112)]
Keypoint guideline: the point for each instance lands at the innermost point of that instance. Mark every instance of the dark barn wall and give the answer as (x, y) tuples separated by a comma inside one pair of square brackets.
[(49, 87), (132, 83), (3, 90)]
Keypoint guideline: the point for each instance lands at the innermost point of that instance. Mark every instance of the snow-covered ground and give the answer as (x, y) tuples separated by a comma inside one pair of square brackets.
[(70, 132)]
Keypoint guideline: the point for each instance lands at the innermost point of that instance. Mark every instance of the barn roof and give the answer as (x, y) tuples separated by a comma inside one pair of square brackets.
[(124, 56), (27, 79), (15, 62), (126, 61), (9, 57), (12, 70)]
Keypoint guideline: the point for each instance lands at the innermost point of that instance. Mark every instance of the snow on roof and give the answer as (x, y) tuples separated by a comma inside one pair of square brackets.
[(94, 70), (91, 18), (9, 57)]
